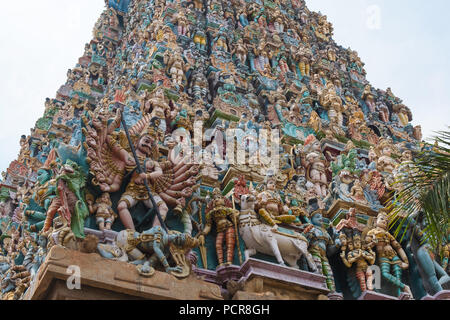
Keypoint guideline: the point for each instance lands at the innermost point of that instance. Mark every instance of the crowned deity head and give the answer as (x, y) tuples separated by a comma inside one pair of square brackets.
[(383, 220), (312, 144)]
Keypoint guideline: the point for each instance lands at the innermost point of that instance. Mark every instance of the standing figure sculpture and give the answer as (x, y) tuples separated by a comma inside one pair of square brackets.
[(321, 244), (390, 254), (220, 212), (315, 164), (104, 214), (363, 256), (176, 67), (69, 202), (446, 254), (434, 277)]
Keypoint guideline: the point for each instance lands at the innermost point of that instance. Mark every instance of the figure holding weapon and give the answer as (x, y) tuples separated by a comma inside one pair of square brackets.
[(112, 153), (220, 211)]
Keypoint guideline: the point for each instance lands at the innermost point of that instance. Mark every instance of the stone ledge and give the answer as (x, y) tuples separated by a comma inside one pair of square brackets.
[(108, 279), (443, 295), (262, 280), (291, 276), (340, 204), (372, 295)]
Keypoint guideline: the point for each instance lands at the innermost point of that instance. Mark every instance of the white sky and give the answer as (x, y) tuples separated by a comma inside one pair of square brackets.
[(41, 40)]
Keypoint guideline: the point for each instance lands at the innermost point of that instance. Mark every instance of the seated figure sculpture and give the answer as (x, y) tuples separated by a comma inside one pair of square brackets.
[(271, 207)]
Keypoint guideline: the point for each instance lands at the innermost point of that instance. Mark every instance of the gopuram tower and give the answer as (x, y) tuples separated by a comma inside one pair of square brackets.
[(212, 149)]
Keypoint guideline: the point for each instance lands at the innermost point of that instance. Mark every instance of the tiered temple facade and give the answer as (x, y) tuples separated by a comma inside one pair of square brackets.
[(213, 149)]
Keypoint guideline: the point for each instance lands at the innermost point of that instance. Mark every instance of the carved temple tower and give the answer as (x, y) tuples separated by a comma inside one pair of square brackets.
[(106, 177)]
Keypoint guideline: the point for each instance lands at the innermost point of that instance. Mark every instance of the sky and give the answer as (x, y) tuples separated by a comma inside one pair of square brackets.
[(404, 43), (40, 41)]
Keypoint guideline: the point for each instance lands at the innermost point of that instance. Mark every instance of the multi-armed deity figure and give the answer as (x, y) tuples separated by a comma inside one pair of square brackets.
[(110, 158)]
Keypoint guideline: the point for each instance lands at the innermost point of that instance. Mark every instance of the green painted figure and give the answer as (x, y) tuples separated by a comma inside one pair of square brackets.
[(321, 243)]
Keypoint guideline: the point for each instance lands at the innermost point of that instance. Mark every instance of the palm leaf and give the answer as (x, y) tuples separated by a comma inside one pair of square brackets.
[(425, 188)]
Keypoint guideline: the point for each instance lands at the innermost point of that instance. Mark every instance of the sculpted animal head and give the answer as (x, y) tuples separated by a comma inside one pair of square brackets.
[(247, 202)]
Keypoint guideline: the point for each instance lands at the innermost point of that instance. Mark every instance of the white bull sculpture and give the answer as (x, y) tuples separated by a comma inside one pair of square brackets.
[(262, 238)]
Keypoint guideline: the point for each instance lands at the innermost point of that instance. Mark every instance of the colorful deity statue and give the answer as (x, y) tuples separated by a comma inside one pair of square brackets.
[(170, 182), (360, 253), (36, 256), (271, 207), (351, 222), (182, 23), (176, 67), (200, 39), (220, 212), (357, 193), (446, 254), (316, 166), (220, 43), (277, 101), (303, 57), (315, 122), (199, 84), (321, 243), (104, 214), (261, 234), (391, 257), (369, 98), (434, 276), (403, 114), (241, 15), (69, 202), (157, 106), (383, 111), (330, 100), (385, 161), (43, 194), (240, 51)]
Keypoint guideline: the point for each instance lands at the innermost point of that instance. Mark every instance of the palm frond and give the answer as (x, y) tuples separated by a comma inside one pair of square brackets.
[(425, 187)]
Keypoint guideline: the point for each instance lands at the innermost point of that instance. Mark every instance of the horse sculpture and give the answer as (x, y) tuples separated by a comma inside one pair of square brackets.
[(287, 246)]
